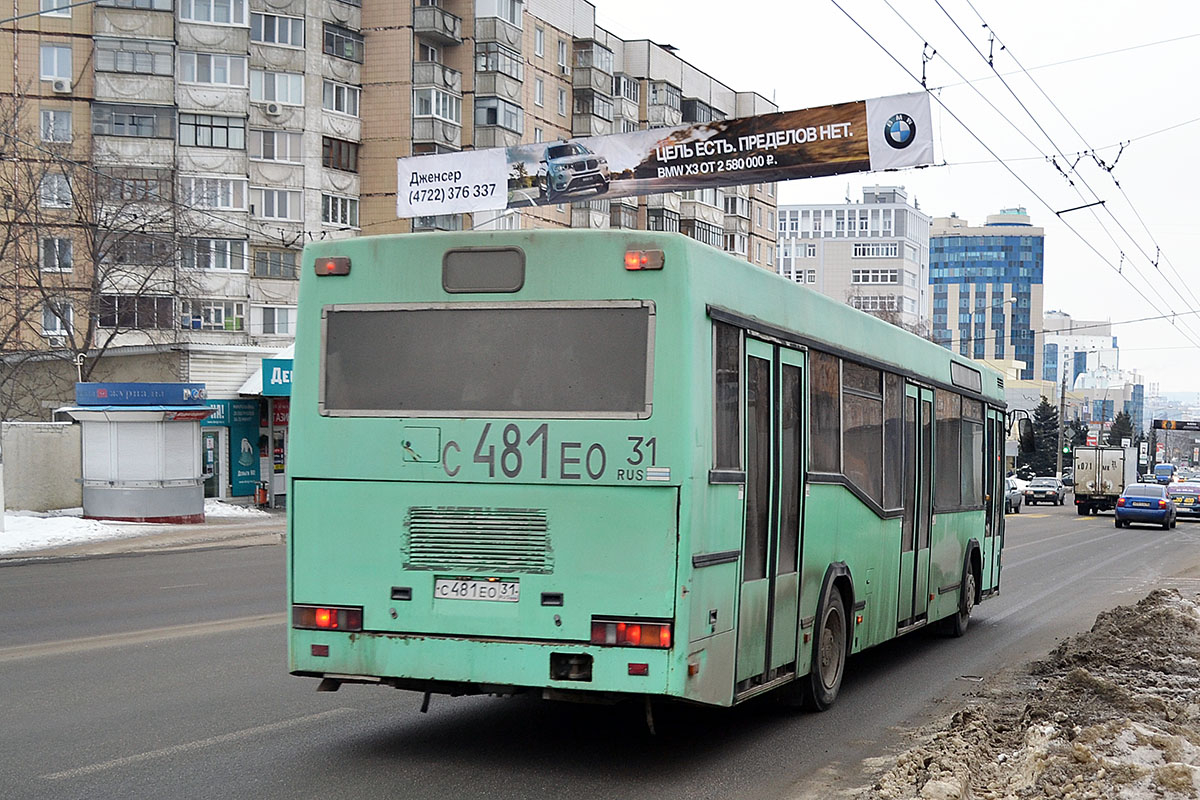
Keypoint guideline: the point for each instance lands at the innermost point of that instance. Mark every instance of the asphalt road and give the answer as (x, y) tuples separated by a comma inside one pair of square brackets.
[(163, 676)]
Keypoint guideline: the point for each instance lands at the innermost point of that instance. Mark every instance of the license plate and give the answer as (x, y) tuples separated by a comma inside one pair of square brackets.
[(1137, 504), (507, 590)]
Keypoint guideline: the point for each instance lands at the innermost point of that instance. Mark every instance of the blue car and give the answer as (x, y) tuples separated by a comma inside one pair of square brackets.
[(1145, 502)]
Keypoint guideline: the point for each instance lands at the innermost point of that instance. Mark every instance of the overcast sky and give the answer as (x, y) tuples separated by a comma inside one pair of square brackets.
[(1116, 75)]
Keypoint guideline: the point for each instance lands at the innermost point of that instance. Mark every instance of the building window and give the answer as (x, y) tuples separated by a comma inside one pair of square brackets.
[(275, 264), (736, 243), (276, 321), (139, 184), (876, 249), (563, 66), (709, 197), (221, 12), (226, 194), (135, 56), (228, 255), (810, 276), (507, 10), (141, 249), (875, 276), (661, 219), (539, 42), (56, 61), (212, 315), (56, 8), (272, 29), (279, 87), (712, 235), (875, 302), (340, 98), (343, 43), (135, 312), (57, 316), (55, 192), (539, 92), (562, 102), (214, 69), (285, 204), (339, 154), (203, 130), (119, 120), (56, 254), (436, 103), (629, 125), (588, 101), (494, 111), (336, 210), (56, 126), (427, 52), (495, 57), (282, 146), (144, 5), (622, 216), (664, 94), (627, 87)]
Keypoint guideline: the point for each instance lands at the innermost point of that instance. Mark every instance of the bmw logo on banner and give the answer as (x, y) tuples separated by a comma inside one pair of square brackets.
[(899, 129)]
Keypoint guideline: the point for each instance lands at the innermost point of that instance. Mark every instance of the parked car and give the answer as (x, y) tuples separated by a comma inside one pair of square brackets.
[(1186, 497), (1045, 490), (1012, 497), (1145, 503), (569, 168)]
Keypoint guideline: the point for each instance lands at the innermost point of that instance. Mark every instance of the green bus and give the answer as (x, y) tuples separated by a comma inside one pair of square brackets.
[(600, 465)]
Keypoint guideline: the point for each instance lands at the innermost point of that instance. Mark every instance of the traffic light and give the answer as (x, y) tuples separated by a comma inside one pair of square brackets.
[(1066, 449)]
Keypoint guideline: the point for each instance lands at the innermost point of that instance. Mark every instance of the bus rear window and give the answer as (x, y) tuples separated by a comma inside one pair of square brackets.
[(472, 359)]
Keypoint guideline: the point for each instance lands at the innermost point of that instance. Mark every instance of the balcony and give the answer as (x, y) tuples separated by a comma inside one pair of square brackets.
[(439, 76), (431, 130), (494, 29), (441, 222), (431, 22)]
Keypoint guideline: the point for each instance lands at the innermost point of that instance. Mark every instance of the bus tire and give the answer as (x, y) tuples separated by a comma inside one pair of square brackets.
[(824, 679), (957, 624)]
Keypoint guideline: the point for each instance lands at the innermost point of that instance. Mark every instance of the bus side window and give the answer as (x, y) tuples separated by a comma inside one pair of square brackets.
[(825, 420), (727, 361)]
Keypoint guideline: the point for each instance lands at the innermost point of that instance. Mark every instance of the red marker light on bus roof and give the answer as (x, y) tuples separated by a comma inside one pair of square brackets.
[(333, 266), (644, 259)]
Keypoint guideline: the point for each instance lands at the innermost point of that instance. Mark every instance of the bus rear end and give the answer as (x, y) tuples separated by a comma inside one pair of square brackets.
[(481, 500)]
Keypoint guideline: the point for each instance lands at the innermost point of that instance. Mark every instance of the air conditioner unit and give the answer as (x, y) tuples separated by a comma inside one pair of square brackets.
[(56, 340), (273, 109), (61, 86)]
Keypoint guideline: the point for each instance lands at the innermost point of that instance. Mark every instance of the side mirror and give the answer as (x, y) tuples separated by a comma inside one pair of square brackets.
[(1025, 435)]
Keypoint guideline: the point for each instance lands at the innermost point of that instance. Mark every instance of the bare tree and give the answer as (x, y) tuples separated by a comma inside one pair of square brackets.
[(91, 257)]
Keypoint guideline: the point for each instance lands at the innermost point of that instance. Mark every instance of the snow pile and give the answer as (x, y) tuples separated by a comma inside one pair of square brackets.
[(1112, 714), (26, 531)]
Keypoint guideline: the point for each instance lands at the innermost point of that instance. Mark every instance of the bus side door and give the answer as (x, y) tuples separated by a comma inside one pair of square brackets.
[(913, 600), (769, 595)]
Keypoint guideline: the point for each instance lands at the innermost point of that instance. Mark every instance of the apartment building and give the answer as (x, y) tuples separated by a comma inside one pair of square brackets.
[(873, 254)]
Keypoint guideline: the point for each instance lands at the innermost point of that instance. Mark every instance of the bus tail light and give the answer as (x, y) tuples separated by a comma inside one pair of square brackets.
[(631, 633), (644, 259), (333, 266), (327, 618)]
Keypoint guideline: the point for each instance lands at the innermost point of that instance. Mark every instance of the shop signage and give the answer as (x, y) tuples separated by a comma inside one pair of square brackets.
[(140, 394), (277, 377)]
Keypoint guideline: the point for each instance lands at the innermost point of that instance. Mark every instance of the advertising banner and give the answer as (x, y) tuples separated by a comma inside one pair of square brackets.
[(140, 394), (868, 135)]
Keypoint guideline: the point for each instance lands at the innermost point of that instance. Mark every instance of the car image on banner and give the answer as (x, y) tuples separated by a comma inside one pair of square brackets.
[(570, 169)]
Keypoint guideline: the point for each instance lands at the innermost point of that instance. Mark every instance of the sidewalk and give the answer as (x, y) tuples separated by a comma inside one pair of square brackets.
[(216, 531)]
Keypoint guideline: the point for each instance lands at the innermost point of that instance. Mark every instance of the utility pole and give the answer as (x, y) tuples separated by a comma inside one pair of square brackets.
[(1062, 410)]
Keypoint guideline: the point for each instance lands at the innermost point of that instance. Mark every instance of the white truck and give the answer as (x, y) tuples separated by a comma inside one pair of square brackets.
[(1101, 473)]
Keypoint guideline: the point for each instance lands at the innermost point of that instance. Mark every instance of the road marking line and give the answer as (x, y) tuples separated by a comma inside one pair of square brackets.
[(89, 643), (181, 586), (199, 744)]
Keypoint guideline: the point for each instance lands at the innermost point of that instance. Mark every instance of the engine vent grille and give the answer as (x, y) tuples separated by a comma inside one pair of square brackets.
[(999, 383), (506, 540)]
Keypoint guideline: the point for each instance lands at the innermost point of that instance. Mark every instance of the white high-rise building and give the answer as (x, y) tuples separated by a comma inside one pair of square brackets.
[(873, 254)]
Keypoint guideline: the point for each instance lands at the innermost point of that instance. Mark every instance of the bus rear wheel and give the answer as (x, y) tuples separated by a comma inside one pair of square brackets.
[(829, 653), (966, 602)]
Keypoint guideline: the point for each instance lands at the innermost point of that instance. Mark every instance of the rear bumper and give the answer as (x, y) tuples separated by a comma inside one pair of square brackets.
[(454, 665), (1156, 516)]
